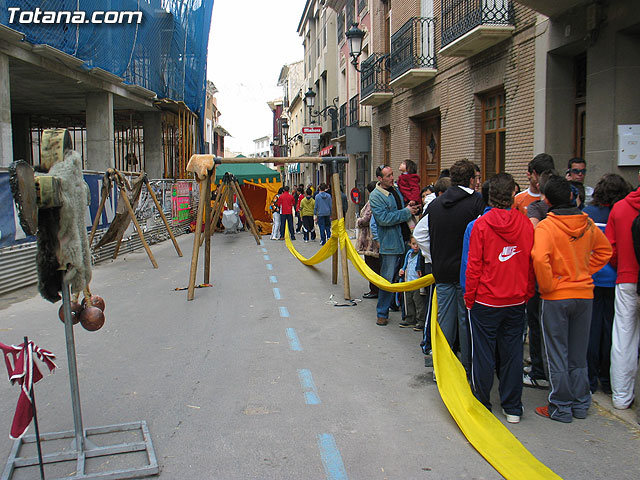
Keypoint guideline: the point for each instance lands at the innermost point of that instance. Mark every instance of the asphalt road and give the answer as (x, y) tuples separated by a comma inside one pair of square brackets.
[(259, 377)]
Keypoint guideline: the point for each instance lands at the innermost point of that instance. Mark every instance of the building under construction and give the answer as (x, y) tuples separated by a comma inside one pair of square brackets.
[(128, 81)]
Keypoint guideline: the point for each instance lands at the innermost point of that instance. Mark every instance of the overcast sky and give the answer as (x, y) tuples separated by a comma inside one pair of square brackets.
[(250, 41)]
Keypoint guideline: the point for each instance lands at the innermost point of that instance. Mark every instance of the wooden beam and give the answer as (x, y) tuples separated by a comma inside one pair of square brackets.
[(209, 157)]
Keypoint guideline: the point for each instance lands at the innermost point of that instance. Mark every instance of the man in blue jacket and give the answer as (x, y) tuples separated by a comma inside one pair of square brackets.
[(390, 216), (322, 211)]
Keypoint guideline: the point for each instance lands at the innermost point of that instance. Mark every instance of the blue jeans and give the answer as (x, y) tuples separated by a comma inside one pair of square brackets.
[(452, 317), (324, 224), (388, 265)]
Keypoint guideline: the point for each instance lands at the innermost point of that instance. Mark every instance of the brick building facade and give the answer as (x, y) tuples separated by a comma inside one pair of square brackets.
[(477, 105)]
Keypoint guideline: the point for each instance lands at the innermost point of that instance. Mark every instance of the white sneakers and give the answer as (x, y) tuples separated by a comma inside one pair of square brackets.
[(511, 418)]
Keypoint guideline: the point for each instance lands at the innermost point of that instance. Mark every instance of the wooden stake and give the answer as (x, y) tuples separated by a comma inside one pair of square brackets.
[(132, 214), (343, 252), (221, 197), (196, 246), (164, 218), (103, 200), (207, 229), (209, 225), (118, 243), (247, 213), (334, 258)]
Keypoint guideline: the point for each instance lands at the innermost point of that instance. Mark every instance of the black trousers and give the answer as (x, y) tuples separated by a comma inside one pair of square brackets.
[(535, 338), (287, 219), (497, 329), (308, 227), (374, 264)]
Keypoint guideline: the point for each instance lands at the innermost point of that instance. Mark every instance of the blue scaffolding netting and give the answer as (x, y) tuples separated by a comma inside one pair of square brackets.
[(166, 52)]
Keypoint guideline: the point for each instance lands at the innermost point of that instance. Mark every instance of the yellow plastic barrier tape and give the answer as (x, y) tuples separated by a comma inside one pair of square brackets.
[(379, 281), (326, 251), (485, 432), (329, 248)]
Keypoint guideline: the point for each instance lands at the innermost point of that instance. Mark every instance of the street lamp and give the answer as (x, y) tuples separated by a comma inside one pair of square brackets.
[(284, 126), (309, 101), (354, 37), (332, 110)]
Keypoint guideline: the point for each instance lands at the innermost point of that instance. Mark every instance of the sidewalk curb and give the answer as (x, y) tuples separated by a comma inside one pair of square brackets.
[(603, 402)]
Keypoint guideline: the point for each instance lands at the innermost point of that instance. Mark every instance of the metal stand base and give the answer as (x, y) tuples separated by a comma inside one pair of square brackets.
[(90, 451), (82, 447)]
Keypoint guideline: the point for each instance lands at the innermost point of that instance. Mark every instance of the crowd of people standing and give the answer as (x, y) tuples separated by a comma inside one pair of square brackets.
[(556, 262), (305, 208)]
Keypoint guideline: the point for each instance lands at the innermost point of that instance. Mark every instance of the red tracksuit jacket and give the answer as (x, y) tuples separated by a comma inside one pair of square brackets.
[(499, 268)]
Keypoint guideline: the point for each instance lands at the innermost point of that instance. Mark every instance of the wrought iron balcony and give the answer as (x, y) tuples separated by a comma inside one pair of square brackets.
[(471, 26), (551, 8), (354, 110), (374, 80), (342, 129), (413, 59)]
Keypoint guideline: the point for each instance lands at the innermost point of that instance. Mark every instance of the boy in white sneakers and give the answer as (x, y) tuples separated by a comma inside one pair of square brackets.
[(499, 281)]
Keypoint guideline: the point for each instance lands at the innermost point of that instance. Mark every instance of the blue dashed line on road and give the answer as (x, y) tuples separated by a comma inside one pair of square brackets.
[(273, 279), (284, 313), (264, 250), (266, 257), (331, 459), (310, 398), (310, 393), (269, 266), (294, 343), (276, 293)]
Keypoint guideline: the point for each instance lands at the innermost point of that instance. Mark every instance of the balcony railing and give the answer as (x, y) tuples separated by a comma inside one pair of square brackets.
[(374, 80), (342, 130), (354, 110), (413, 48), (460, 17)]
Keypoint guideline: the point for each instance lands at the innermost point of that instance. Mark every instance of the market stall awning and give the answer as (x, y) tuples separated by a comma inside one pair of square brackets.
[(254, 172)]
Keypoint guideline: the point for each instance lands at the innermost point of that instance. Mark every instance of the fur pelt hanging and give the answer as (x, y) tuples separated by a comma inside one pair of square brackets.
[(200, 166), (62, 233)]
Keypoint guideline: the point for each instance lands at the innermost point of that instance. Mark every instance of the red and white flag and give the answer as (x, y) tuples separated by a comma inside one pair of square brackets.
[(22, 369)]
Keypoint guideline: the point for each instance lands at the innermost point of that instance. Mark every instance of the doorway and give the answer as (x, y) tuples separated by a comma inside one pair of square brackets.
[(429, 150)]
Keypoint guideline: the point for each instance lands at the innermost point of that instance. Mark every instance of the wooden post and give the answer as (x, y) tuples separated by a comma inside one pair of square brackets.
[(218, 206), (335, 180), (125, 199), (164, 218), (334, 258), (223, 193), (103, 200), (207, 228), (196, 245), (243, 204), (118, 243)]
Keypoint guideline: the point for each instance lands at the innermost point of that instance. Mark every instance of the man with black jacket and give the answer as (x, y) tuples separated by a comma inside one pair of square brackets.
[(440, 234)]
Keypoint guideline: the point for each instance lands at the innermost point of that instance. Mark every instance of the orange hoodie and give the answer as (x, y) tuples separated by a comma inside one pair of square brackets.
[(568, 248)]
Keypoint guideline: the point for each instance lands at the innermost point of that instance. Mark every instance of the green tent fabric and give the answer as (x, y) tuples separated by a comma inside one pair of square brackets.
[(254, 172)]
